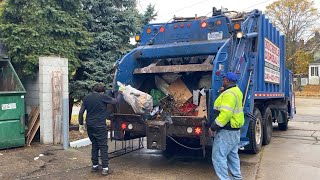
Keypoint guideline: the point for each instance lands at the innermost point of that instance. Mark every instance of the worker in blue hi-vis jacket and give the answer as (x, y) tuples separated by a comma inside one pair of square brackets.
[(226, 127)]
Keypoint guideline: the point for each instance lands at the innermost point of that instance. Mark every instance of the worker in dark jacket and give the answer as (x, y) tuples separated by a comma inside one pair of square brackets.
[(96, 106), (227, 124)]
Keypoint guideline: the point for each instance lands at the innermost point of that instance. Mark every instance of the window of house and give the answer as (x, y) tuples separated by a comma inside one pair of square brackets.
[(314, 71)]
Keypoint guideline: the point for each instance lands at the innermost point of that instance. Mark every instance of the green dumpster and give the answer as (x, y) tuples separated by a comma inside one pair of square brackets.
[(12, 125)]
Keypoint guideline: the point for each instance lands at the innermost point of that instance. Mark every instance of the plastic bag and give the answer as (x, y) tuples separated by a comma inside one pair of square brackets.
[(157, 95), (170, 77), (140, 102), (162, 85)]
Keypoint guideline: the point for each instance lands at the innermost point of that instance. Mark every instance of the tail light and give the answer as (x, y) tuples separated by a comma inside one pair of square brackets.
[(198, 130), (123, 126)]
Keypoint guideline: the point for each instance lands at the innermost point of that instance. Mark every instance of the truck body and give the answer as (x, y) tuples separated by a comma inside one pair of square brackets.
[(199, 51)]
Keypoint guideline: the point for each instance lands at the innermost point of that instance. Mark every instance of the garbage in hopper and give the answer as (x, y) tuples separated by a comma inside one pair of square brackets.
[(140, 102)]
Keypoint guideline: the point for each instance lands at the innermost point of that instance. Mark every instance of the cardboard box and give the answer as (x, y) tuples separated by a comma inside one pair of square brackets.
[(179, 91), (202, 107)]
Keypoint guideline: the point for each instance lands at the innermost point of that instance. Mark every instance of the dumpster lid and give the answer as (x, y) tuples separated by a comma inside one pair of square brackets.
[(10, 82)]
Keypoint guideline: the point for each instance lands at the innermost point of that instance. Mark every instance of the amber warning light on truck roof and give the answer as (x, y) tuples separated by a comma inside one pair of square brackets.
[(218, 22), (237, 26), (204, 24), (137, 38)]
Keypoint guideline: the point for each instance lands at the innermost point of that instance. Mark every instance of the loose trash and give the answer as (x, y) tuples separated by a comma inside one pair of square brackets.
[(162, 85), (187, 108), (36, 158), (179, 91), (157, 95), (195, 97), (41, 155), (155, 110), (202, 107), (205, 81), (140, 102), (170, 77), (1, 154)]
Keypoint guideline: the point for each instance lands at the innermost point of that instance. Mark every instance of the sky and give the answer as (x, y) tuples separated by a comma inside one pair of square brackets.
[(188, 8)]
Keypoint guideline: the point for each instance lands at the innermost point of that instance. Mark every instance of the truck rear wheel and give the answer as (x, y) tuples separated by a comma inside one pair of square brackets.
[(267, 126), (283, 126), (255, 133)]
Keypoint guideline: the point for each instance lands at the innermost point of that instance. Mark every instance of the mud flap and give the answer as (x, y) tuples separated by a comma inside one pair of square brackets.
[(156, 135)]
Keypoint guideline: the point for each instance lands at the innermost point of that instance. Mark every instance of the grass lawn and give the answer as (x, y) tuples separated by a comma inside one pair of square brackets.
[(308, 90)]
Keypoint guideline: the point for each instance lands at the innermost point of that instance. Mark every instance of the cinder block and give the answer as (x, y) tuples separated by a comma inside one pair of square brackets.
[(46, 88), (35, 102), (45, 97)]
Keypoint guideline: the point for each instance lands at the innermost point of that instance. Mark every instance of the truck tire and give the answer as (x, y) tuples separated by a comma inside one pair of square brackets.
[(284, 125), (255, 133), (267, 126)]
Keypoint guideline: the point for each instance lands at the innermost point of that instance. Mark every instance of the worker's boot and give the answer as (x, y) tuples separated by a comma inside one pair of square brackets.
[(106, 171), (95, 168)]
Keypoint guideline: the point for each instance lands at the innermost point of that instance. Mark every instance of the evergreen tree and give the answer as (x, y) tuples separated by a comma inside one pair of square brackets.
[(33, 28), (112, 23)]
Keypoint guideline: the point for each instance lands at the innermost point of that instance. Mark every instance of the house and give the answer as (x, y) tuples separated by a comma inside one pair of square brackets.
[(313, 46), (314, 73)]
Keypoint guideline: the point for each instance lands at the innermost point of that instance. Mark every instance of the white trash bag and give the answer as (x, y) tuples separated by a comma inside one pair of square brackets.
[(140, 102)]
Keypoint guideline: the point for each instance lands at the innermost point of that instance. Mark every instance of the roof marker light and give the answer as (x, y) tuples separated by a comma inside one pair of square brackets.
[(204, 24), (161, 29), (237, 26), (218, 22), (137, 38)]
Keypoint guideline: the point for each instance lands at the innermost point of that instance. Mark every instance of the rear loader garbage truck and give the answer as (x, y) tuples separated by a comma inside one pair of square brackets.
[(180, 64)]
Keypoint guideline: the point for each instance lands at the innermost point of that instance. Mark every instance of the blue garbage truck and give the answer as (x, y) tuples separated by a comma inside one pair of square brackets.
[(189, 56)]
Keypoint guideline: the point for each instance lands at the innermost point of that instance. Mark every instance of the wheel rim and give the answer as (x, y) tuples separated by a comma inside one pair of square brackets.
[(258, 130)]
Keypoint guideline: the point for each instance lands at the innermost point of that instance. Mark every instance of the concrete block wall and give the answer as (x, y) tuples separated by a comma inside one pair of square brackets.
[(32, 96), (46, 66)]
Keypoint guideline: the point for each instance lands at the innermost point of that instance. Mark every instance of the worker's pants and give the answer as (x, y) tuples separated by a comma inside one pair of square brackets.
[(99, 139), (225, 154)]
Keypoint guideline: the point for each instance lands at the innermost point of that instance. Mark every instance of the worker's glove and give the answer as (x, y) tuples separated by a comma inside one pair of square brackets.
[(122, 88), (81, 129)]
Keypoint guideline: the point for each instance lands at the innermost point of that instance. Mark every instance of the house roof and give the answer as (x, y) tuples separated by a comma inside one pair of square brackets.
[(315, 62)]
